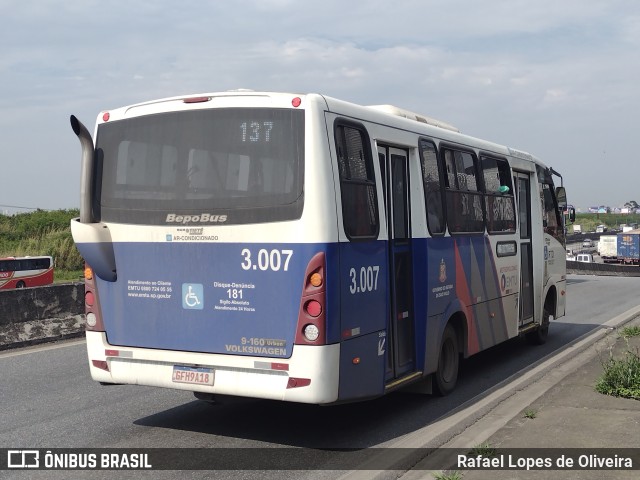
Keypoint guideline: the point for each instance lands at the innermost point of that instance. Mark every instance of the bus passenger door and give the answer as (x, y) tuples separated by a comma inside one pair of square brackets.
[(400, 358), (523, 192)]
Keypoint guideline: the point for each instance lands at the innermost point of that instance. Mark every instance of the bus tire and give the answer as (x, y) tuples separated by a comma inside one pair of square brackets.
[(20, 284), (539, 335), (446, 375)]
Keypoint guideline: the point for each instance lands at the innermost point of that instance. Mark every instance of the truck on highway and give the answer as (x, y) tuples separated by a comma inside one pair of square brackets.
[(608, 248), (577, 229), (629, 247)]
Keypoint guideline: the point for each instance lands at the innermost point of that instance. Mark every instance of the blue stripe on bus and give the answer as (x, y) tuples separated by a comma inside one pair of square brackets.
[(206, 297), (237, 299)]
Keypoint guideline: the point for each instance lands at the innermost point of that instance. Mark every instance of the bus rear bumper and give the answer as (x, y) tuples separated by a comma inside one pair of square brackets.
[(310, 375)]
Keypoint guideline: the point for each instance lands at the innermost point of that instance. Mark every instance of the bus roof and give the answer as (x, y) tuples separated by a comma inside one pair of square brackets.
[(401, 112), (388, 114)]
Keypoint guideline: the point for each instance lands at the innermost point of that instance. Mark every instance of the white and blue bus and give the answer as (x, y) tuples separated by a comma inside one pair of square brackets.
[(306, 249)]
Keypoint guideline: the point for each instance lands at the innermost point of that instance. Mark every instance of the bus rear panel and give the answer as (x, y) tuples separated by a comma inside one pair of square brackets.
[(209, 239)]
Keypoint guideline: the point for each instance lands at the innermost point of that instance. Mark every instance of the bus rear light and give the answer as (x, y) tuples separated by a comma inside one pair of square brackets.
[(296, 102), (106, 116), (89, 299), (298, 382), (313, 308), (111, 353), (315, 279), (280, 366), (311, 332), (91, 319), (311, 328), (101, 364), (93, 313), (196, 99)]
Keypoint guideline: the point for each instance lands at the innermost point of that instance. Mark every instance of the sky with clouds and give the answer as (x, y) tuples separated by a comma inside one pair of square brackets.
[(557, 78)]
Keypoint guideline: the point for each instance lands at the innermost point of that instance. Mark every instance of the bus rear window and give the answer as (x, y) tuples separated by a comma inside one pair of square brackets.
[(244, 165)]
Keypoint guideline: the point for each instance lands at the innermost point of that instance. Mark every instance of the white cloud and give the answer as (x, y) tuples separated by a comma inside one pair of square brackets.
[(546, 76), (555, 95)]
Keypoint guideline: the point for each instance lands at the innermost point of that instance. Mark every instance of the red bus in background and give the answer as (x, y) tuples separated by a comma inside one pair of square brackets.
[(21, 272)]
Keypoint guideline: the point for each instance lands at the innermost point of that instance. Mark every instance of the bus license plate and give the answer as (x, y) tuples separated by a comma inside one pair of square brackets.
[(195, 375)]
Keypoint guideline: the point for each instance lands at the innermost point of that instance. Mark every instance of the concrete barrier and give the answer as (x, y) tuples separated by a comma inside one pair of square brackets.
[(36, 315), (608, 269), (42, 314)]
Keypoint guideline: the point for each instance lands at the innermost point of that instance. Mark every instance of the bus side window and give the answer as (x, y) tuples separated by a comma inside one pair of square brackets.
[(499, 203), (465, 211), (357, 182), (450, 169), (432, 187)]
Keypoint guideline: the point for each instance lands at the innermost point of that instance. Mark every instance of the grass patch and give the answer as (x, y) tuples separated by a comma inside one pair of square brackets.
[(67, 276), (621, 377), (530, 413), (484, 449), (448, 476), (628, 332), (589, 221)]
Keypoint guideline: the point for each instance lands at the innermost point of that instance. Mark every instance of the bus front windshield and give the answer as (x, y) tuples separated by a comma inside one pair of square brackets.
[(243, 165)]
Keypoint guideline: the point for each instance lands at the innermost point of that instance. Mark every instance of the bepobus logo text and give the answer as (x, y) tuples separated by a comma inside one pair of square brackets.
[(202, 218)]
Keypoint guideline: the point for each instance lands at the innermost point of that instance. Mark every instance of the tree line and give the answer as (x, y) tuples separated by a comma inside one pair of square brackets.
[(42, 232)]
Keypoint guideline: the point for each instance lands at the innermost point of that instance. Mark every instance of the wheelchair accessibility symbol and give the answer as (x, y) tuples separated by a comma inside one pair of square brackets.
[(192, 296)]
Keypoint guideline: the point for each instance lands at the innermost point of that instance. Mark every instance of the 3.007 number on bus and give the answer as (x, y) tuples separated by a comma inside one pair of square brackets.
[(274, 260), (366, 281)]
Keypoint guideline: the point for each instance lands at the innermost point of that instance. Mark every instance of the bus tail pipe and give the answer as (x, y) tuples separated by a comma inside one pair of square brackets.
[(86, 170)]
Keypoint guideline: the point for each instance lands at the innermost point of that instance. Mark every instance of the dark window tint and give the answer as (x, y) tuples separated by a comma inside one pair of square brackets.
[(7, 265), (499, 202), (432, 187), (24, 264), (357, 182), (524, 198), (464, 201), (42, 263), (400, 202), (245, 164)]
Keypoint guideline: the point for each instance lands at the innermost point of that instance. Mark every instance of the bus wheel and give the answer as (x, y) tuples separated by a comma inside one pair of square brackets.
[(540, 335), (446, 375), (20, 284)]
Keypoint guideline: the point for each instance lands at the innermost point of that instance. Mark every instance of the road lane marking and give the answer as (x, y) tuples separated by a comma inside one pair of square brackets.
[(40, 348)]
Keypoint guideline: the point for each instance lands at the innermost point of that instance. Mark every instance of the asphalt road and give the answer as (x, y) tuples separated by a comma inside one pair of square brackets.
[(47, 400)]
